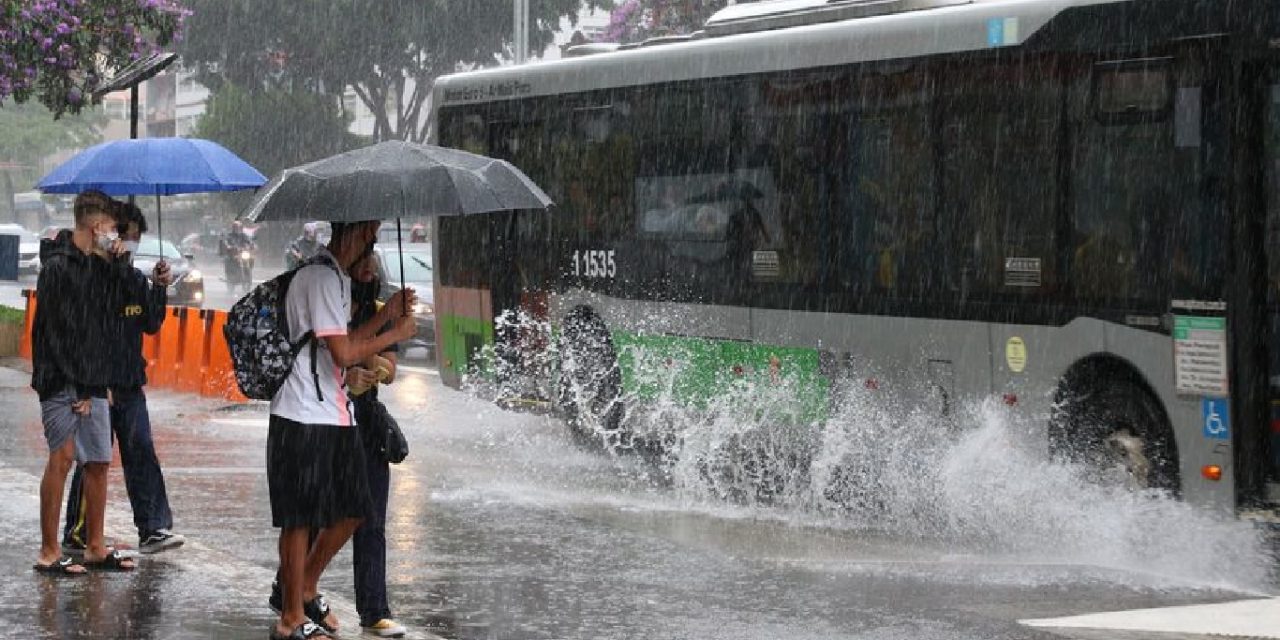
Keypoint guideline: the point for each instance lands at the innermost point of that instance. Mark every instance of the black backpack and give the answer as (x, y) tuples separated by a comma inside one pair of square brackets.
[(257, 333)]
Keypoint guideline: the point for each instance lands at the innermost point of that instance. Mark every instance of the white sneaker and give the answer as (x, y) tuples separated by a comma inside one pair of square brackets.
[(160, 540), (386, 628)]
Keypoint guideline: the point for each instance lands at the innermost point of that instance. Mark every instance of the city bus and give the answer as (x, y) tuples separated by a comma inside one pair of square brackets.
[(1066, 207)]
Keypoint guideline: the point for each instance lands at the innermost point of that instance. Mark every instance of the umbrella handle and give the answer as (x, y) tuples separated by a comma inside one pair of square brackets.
[(159, 227), (400, 253)]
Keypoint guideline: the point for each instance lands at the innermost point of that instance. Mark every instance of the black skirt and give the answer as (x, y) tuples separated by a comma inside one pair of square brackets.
[(315, 474)]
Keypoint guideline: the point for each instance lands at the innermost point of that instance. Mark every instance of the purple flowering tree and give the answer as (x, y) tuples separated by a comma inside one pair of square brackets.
[(57, 51), (635, 20)]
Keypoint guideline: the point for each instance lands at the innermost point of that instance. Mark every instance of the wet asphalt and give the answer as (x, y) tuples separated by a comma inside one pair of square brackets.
[(502, 528)]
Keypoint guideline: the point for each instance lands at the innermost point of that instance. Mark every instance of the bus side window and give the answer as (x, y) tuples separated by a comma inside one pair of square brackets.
[(1136, 182), (1000, 186), (888, 188)]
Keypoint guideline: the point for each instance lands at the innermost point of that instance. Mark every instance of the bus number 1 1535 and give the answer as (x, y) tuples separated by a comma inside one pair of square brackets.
[(594, 264)]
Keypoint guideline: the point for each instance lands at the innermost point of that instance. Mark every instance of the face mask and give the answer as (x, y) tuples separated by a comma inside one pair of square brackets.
[(105, 240), (131, 246)]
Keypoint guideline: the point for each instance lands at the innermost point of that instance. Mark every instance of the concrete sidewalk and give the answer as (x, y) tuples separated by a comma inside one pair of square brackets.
[(210, 588)]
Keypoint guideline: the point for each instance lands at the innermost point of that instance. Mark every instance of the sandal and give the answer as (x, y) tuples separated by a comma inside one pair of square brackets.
[(64, 566), (302, 632), (318, 609), (114, 561)]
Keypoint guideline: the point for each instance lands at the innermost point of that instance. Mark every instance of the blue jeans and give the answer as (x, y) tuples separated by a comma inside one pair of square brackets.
[(143, 480), (369, 543)]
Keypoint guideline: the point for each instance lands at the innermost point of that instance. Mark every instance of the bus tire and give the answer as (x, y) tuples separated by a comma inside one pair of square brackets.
[(1107, 422), (589, 385)]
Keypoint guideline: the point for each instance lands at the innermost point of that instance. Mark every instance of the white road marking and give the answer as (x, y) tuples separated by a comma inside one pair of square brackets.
[(1259, 618)]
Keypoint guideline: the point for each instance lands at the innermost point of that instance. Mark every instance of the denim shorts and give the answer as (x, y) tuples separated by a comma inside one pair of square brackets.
[(92, 433)]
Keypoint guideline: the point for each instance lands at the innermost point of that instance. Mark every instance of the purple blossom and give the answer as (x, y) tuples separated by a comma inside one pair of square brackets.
[(38, 56)]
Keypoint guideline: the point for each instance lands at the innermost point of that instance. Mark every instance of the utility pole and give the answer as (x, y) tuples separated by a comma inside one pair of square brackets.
[(520, 38)]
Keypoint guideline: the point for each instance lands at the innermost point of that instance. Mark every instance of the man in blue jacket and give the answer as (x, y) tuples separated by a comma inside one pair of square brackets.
[(139, 307)]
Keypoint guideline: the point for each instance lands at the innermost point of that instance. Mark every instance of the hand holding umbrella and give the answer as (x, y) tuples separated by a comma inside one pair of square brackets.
[(402, 302)]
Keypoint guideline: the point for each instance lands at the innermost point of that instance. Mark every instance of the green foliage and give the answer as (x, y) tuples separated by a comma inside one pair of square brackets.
[(9, 315), (58, 50), (29, 133), (273, 129), (389, 51)]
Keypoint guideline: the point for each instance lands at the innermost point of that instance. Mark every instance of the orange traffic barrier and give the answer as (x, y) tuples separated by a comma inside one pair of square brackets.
[(192, 359), (151, 354), (166, 372), (220, 377), (28, 322), (188, 354)]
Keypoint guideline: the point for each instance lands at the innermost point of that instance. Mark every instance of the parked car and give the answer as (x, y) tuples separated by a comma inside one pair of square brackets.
[(419, 276), (203, 245), (28, 248), (188, 282)]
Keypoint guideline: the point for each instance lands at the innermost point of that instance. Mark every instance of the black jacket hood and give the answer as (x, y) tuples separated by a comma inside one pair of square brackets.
[(73, 328), (59, 245)]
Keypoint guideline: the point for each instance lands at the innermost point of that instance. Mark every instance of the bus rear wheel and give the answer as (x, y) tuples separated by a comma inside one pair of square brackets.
[(590, 382), (1118, 431)]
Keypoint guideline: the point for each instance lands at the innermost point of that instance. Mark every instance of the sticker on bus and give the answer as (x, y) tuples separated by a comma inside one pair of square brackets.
[(1217, 418), (1015, 354), (1200, 355), (1002, 32)]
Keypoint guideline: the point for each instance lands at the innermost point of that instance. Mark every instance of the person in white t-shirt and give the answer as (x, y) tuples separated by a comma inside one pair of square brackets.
[(315, 461)]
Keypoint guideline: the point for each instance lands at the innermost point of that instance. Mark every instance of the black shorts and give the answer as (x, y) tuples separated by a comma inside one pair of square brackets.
[(315, 474)]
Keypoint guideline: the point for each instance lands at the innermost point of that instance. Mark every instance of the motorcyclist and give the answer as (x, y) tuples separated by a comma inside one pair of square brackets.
[(234, 240), (305, 246), (233, 243)]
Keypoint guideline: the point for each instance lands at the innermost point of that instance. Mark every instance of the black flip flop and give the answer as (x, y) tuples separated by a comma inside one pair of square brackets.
[(303, 631), (60, 567), (113, 561), (317, 609)]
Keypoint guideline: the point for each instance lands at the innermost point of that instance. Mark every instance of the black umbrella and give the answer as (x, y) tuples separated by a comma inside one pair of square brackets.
[(397, 180)]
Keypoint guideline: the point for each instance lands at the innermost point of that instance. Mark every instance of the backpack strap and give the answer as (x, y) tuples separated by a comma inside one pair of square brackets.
[(315, 374), (310, 336)]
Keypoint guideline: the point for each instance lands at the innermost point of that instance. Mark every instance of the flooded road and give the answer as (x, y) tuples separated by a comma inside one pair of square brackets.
[(502, 527)]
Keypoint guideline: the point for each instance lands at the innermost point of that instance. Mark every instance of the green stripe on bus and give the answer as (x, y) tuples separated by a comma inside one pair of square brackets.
[(692, 371), (461, 338)]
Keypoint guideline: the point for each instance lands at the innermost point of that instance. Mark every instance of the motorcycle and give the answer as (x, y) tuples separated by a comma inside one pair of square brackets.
[(239, 269)]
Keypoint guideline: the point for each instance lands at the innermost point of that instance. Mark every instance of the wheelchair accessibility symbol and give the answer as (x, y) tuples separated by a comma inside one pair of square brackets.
[(1217, 418)]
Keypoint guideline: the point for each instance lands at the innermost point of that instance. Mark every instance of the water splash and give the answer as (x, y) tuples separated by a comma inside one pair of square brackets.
[(977, 482)]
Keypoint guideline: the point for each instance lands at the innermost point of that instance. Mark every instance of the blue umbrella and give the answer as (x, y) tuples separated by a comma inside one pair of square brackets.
[(153, 166)]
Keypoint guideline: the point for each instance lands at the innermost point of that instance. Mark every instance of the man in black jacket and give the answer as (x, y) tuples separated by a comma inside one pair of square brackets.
[(71, 358), (139, 306)]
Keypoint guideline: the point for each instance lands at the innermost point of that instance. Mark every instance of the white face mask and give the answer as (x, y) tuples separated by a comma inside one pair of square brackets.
[(131, 246), (105, 240)]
